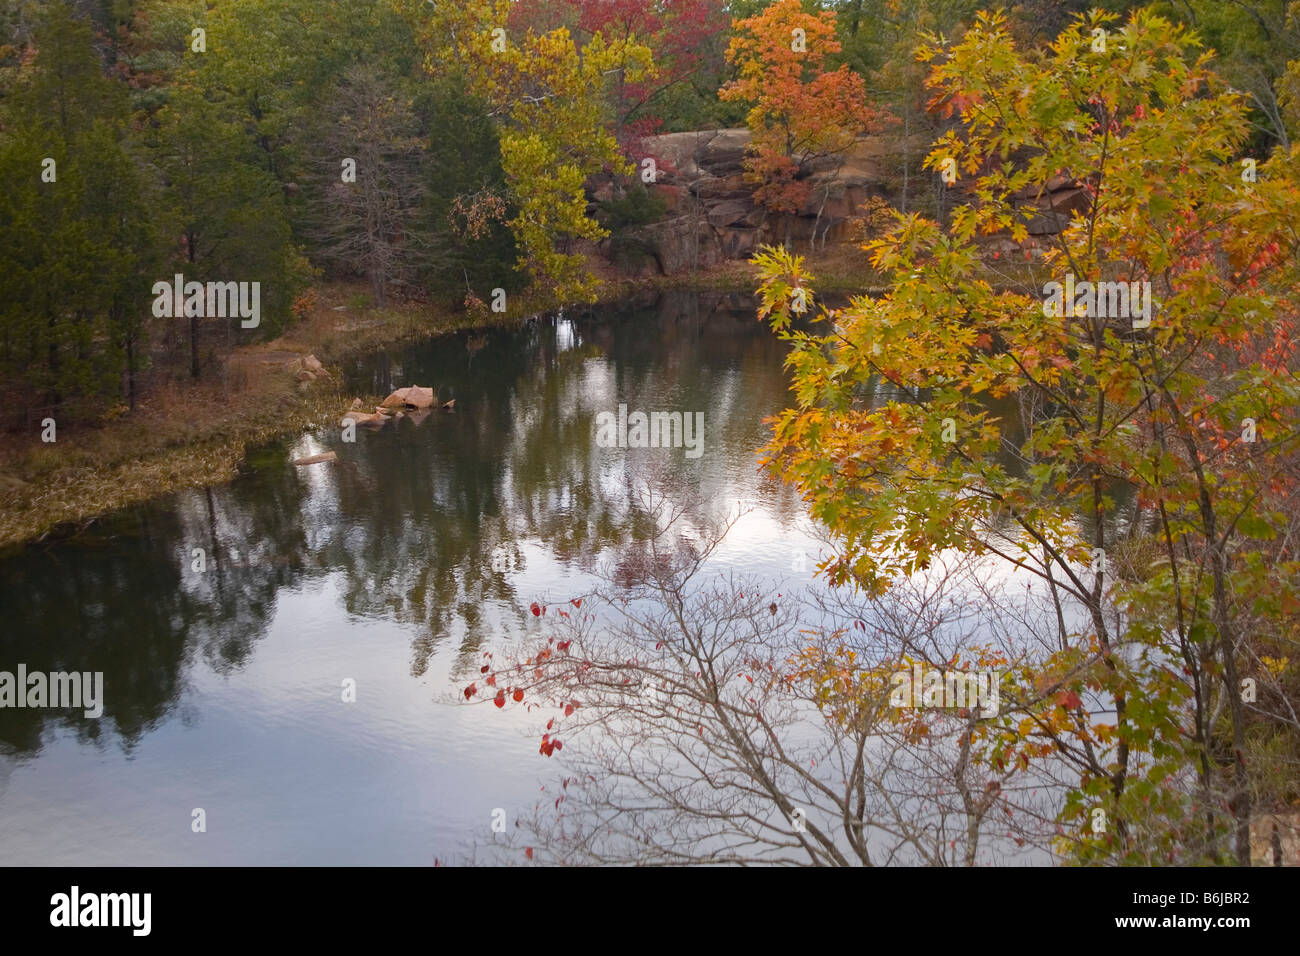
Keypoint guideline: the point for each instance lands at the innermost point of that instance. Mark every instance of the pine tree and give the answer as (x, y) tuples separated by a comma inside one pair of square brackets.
[(76, 233)]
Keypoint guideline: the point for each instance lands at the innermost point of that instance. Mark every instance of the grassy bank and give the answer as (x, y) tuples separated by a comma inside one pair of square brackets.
[(190, 434)]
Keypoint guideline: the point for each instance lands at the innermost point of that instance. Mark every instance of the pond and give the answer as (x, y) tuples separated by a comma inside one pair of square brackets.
[(300, 689)]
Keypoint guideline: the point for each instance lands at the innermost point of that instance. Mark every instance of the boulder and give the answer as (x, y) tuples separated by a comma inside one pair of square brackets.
[(681, 244), (418, 397), (363, 418), (737, 243), (732, 212), (412, 397), (1055, 211), (723, 153)]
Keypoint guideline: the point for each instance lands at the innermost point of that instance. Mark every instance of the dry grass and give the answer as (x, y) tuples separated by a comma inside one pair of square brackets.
[(177, 438)]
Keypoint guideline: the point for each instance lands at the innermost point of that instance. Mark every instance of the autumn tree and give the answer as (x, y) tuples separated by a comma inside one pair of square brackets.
[(1253, 40), (802, 112), (693, 720), (685, 39), (546, 90), (1288, 84), (1133, 449)]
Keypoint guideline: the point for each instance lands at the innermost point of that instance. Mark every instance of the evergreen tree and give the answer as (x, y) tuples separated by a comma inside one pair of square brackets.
[(77, 237), (470, 250)]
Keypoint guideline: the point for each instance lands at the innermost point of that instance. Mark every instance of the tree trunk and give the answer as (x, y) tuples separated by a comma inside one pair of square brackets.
[(130, 372), (194, 346)]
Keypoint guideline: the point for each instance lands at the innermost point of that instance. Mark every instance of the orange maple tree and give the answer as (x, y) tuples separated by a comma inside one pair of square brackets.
[(802, 112)]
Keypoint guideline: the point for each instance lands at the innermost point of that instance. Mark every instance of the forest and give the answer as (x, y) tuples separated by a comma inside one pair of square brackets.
[(289, 141), (1037, 268)]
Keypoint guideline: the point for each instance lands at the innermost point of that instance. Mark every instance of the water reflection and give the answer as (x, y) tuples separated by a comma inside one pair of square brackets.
[(433, 534)]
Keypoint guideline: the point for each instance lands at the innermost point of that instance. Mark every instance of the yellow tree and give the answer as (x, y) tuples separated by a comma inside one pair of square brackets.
[(548, 93), (1147, 483)]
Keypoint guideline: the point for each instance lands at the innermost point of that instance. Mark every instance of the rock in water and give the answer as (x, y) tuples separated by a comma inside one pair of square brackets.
[(418, 397), (413, 397), (315, 459), (397, 399), (363, 418)]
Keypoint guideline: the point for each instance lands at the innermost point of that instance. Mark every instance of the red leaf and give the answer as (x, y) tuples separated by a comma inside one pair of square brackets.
[(562, 646), (576, 602), (483, 669), (536, 609), (500, 699), (550, 723), (529, 853), (558, 746), (469, 691), (492, 680), (519, 694), (568, 709), (772, 607)]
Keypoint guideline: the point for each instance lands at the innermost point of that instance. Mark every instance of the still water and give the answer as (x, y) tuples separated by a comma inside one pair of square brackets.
[(392, 568)]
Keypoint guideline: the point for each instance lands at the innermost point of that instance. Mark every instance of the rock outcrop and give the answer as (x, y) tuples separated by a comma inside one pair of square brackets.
[(711, 212)]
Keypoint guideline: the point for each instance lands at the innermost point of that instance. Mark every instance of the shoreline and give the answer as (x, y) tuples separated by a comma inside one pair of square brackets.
[(188, 435)]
